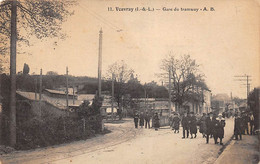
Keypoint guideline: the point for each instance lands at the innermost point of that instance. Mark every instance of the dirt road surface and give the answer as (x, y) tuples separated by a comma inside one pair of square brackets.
[(126, 145)]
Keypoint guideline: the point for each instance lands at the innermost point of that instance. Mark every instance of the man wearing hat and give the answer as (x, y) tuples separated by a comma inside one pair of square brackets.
[(185, 125), (202, 124), (238, 126), (209, 126), (193, 125), (136, 118), (244, 122), (147, 120), (251, 122)]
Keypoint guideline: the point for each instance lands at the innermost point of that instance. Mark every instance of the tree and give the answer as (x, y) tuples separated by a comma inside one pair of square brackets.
[(238, 101), (186, 79), (26, 69), (1, 66), (52, 73), (40, 18), (122, 73)]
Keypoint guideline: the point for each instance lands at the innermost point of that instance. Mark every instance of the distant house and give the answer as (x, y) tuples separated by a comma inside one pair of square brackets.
[(106, 104), (28, 104), (220, 102), (59, 94), (155, 105)]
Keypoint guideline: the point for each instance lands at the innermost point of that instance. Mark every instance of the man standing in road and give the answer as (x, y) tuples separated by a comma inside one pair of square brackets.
[(136, 118), (193, 125), (185, 125), (141, 120), (251, 122), (238, 126), (147, 120), (209, 126)]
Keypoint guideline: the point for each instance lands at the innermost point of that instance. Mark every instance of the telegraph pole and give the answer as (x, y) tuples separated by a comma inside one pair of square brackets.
[(36, 88), (40, 94), (145, 95), (99, 62), (112, 98), (13, 41), (73, 93), (245, 78), (170, 96), (67, 91)]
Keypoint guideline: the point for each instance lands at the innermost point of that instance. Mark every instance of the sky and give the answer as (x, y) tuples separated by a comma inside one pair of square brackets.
[(225, 42)]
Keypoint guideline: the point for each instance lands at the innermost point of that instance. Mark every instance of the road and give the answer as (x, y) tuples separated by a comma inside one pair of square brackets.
[(128, 145)]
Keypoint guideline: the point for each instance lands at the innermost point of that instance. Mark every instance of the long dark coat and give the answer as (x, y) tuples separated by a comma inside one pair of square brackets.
[(176, 123), (210, 126), (202, 124), (238, 127), (147, 117), (185, 122), (141, 121), (156, 121), (245, 120), (193, 125), (219, 125), (136, 117)]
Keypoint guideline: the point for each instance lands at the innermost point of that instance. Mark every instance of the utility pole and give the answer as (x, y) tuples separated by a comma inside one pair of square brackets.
[(40, 95), (170, 96), (145, 101), (245, 78), (13, 41), (112, 98), (73, 93), (35, 88), (67, 91), (99, 62)]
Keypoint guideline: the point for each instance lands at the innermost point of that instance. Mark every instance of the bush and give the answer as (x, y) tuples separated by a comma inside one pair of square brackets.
[(36, 133)]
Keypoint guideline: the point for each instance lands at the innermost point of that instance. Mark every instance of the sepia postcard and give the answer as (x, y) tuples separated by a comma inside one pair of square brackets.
[(129, 82)]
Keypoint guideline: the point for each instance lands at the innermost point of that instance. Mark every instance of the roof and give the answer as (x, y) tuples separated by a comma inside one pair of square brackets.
[(88, 97), (61, 102), (57, 92), (57, 102), (221, 97)]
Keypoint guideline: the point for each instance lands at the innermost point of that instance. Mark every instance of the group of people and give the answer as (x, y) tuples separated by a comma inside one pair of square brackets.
[(244, 124), (144, 120), (209, 126)]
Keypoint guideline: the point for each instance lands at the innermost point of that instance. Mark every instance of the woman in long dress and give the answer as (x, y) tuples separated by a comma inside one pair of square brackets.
[(156, 121)]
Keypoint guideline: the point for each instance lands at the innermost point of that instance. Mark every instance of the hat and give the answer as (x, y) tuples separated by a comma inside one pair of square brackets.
[(210, 113), (219, 114), (191, 112)]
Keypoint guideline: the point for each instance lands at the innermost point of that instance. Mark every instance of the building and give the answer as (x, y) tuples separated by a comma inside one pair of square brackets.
[(155, 105), (60, 93), (202, 103), (220, 102)]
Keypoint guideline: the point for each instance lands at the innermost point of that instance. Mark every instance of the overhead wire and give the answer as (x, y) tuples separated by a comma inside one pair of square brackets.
[(100, 18)]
